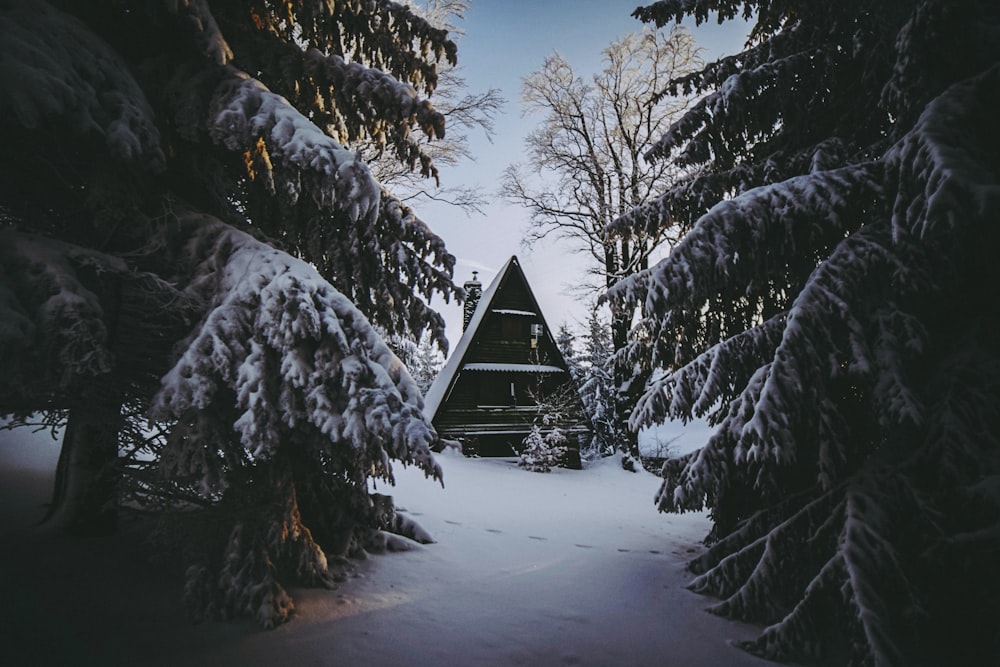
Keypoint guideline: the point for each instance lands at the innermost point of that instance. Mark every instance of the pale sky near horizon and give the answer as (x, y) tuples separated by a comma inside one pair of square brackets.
[(504, 41)]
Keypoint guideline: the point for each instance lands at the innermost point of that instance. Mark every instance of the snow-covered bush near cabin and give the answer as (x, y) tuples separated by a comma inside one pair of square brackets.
[(541, 452), (833, 314)]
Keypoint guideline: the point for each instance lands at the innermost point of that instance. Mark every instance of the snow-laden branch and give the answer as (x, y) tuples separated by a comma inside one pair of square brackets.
[(724, 106), (243, 112), (47, 312), (297, 355), (374, 94), (715, 375), (947, 161), (694, 195), (197, 17), (823, 337), (741, 238), (54, 69), (700, 478), (664, 11)]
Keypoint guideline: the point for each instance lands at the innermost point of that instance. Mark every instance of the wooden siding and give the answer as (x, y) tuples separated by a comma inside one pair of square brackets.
[(463, 412), (493, 343)]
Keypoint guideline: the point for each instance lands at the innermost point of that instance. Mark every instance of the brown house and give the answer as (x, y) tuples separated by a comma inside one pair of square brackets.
[(504, 370)]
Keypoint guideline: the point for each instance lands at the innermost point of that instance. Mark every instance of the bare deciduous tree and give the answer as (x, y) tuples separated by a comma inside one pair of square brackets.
[(584, 161)]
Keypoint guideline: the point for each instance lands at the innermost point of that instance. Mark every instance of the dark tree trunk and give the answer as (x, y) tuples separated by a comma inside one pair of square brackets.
[(85, 497), (628, 440)]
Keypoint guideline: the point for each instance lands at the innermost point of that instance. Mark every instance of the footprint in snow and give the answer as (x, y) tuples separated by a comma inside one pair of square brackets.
[(624, 551), (493, 530), (653, 551), (584, 546), (536, 537), (454, 523)]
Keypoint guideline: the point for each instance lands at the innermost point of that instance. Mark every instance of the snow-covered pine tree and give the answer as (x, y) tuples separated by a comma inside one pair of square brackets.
[(597, 387), (566, 342), (542, 453), (834, 314), (164, 161), (422, 359)]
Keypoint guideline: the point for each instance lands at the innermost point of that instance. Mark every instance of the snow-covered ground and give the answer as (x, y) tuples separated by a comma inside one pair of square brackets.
[(569, 567)]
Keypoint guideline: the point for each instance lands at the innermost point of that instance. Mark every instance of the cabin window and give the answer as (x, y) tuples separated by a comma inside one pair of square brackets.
[(503, 390), (513, 328), (496, 390)]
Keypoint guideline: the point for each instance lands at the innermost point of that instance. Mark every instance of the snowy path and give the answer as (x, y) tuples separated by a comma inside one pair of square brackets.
[(571, 567)]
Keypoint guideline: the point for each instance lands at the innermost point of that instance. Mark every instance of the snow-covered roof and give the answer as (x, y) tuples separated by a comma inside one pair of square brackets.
[(512, 368), (435, 394), (508, 311)]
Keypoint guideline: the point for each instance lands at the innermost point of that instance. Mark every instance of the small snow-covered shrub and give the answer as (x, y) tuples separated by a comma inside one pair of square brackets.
[(541, 453)]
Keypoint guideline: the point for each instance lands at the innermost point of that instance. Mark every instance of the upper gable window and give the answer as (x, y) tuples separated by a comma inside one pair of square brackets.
[(513, 327)]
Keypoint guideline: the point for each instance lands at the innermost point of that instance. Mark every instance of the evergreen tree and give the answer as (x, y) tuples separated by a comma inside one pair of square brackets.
[(597, 387), (422, 359), (833, 313), (542, 453), (186, 238), (566, 342), (463, 111)]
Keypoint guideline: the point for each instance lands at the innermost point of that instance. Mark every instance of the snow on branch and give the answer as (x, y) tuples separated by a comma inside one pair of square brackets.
[(724, 126), (297, 355), (823, 338), (412, 267), (713, 74), (421, 262), (388, 35), (374, 94), (700, 479), (46, 310), (951, 166), (727, 106), (898, 337), (758, 231), (863, 570), (53, 66), (690, 198), (197, 16), (751, 581), (718, 374), (243, 112)]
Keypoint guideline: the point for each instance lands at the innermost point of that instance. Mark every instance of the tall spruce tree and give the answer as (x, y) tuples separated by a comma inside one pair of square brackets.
[(834, 314), (598, 390), (185, 239)]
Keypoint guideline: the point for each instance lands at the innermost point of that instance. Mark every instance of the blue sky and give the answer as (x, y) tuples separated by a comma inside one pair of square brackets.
[(504, 41)]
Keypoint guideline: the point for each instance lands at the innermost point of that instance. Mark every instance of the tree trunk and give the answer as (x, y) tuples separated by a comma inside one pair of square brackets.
[(628, 441), (85, 497)]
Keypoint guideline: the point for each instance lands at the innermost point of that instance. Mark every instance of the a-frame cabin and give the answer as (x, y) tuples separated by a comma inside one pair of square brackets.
[(487, 395)]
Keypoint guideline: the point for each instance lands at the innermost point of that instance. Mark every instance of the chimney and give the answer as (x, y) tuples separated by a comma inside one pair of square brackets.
[(473, 290)]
